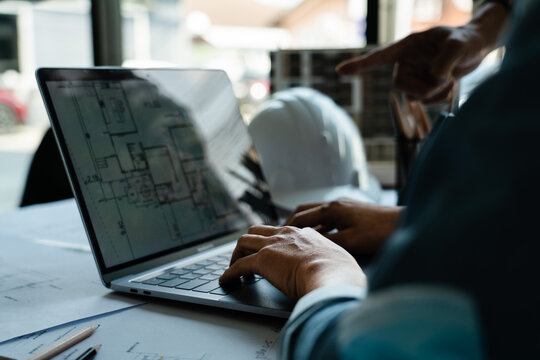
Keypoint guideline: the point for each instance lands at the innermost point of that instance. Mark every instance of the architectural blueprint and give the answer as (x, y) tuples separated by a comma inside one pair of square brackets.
[(142, 168), (162, 331), (45, 284)]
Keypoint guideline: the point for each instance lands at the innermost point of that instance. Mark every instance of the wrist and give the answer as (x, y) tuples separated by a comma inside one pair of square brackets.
[(394, 212), (323, 274), (390, 219)]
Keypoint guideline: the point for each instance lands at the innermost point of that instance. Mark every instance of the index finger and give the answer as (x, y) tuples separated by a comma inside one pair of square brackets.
[(243, 266), (386, 55), (265, 230), (311, 217), (248, 244), (301, 208)]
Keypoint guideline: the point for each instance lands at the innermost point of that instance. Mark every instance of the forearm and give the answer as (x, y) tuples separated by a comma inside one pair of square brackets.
[(490, 20), (391, 217)]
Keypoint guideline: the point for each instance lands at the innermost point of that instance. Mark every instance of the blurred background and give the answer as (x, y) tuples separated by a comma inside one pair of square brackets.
[(263, 45)]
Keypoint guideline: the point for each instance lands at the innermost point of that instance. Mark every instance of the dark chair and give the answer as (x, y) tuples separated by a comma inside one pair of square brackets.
[(47, 179)]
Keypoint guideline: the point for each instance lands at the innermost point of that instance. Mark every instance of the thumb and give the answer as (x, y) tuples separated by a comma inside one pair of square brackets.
[(446, 61), (379, 57)]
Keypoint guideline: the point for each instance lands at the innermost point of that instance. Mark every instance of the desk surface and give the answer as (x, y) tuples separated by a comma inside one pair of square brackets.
[(50, 287)]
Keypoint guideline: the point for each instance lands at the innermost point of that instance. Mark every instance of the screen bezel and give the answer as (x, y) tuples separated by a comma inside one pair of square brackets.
[(43, 76)]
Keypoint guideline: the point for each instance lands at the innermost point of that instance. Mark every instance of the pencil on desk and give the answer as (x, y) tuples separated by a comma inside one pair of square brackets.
[(65, 344)]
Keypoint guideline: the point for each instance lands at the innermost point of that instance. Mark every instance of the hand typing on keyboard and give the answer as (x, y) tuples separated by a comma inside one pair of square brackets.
[(294, 260)]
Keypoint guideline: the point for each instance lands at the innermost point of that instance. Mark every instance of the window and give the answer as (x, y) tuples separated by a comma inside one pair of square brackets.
[(33, 34)]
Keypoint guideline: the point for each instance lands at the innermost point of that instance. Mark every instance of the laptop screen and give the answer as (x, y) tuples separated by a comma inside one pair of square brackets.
[(157, 156)]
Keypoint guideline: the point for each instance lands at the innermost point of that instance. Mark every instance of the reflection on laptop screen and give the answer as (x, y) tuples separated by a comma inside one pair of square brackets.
[(149, 153)]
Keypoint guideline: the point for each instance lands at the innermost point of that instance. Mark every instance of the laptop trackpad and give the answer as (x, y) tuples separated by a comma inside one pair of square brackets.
[(260, 294)]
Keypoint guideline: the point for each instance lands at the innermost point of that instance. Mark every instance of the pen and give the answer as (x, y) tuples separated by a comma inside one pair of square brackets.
[(90, 353), (64, 344)]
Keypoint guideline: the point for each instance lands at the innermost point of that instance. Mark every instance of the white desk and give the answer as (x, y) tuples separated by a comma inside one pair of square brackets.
[(49, 287)]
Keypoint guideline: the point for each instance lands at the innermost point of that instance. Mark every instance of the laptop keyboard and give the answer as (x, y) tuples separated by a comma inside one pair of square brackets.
[(202, 276)]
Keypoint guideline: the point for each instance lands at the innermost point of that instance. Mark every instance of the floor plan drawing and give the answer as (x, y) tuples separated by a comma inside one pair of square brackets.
[(144, 162)]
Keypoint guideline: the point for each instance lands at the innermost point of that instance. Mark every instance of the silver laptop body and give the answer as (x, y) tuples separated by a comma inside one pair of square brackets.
[(157, 163)]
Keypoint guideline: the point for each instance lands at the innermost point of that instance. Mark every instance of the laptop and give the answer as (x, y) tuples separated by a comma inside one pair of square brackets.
[(159, 163)]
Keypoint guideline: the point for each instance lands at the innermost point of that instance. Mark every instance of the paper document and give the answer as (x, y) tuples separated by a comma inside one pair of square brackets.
[(59, 221), (164, 331), (47, 283)]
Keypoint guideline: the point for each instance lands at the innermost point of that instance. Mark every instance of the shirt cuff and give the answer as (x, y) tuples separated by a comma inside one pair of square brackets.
[(327, 294), (311, 303)]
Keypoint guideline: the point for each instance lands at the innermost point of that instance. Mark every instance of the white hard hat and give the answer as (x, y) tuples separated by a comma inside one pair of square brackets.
[(310, 150)]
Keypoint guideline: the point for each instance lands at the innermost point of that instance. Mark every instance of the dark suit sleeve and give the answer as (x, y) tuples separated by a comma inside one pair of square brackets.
[(418, 322), (316, 336)]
